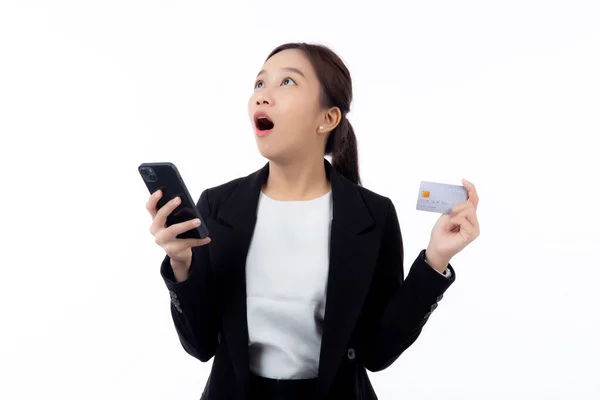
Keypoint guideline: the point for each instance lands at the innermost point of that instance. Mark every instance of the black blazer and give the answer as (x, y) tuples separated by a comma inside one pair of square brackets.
[(372, 312)]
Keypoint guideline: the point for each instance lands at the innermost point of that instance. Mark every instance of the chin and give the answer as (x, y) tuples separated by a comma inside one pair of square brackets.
[(271, 153)]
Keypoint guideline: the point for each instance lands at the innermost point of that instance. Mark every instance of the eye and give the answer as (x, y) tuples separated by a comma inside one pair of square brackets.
[(256, 85)]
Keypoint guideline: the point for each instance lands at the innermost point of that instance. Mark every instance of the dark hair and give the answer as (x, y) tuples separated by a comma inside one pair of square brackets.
[(336, 91)]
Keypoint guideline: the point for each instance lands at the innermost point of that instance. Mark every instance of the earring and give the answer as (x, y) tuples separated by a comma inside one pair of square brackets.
[(321, 128)]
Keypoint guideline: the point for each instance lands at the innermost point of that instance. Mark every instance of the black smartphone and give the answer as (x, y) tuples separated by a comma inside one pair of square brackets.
[(166, 177)]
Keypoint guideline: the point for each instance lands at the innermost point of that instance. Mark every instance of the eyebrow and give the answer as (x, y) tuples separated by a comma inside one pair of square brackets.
[(289, 69)]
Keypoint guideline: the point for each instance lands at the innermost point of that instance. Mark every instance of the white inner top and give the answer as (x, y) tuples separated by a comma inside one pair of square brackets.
[(286, 280)]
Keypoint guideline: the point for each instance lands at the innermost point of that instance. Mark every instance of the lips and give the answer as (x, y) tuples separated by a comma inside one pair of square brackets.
[(263, 122)]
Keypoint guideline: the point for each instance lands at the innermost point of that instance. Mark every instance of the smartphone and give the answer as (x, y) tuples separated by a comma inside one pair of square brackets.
[(166, 177)]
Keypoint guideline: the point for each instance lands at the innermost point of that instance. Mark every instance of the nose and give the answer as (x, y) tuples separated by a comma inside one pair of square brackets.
[(262, 98)]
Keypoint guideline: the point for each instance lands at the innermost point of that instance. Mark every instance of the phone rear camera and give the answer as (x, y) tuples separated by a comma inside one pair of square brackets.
[(148, 174)]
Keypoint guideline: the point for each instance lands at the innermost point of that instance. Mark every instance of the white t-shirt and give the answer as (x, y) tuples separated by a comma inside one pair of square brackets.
[(286, 279)]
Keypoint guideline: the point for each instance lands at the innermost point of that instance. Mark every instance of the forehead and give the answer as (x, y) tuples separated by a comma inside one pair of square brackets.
[(291, 58)]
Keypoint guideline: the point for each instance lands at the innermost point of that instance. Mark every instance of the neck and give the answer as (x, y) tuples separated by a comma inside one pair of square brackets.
[(302, 180)]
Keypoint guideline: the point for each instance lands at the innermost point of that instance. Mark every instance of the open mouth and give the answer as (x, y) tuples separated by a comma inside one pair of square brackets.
[(264, 123)]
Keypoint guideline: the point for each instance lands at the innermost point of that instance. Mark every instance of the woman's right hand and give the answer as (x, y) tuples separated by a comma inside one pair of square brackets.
[(179, 250)]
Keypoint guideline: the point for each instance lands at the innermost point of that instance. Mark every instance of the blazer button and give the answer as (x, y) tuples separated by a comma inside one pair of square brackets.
[(434, 306), (178, 308), (173, 294), (440, 297), (351, 354), (427, 315)]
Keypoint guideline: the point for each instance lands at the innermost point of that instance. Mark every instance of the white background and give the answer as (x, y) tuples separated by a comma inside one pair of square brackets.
[(505, 94)]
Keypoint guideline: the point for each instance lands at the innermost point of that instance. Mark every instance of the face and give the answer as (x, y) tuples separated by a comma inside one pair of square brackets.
[(287, 93)]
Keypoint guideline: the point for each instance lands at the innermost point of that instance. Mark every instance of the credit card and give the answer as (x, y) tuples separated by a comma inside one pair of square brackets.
[(440, 197)]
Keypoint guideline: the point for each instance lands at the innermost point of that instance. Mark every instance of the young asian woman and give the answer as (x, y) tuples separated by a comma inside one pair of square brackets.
[(300, 288)]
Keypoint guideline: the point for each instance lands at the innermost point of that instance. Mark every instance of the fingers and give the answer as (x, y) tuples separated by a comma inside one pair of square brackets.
[(472, 192), (165, 235), (468, 217), (468, 209), (197, 242), (178, 245), (176, 229), (160, 219), (152, 201), (462, 206), (464, 223)]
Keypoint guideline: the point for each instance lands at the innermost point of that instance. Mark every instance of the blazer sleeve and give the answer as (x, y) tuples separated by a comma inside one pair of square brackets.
[(396, 309), (194, 307)]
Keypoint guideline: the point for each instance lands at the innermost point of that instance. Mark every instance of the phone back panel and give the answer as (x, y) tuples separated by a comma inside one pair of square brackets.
[(166, 177)]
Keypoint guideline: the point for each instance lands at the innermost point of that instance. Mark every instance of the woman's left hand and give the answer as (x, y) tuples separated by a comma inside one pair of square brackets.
[(453, 232)]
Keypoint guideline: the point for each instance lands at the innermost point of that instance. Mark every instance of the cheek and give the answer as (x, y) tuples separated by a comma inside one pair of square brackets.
[(296, 112), (250, 104)]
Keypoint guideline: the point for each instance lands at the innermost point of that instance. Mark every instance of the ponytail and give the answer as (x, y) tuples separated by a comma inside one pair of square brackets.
[(344, 149)]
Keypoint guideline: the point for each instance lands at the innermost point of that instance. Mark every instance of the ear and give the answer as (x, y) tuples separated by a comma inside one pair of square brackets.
[(330, 120)]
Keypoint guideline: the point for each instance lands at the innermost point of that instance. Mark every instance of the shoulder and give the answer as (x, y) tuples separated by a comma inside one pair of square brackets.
[(377, 205), (220, 193), (372, 198)]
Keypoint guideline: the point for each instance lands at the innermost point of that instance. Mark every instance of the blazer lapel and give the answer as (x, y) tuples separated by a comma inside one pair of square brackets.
[(352, 258), (234, 230)]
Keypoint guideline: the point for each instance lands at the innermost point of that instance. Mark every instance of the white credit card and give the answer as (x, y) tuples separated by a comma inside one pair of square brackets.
[(440, 197)]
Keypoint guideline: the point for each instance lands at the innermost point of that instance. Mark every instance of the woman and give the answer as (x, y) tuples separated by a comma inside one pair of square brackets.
[(302, 286)]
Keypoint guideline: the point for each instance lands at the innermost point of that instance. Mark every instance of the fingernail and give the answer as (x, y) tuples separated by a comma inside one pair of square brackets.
[(196, 222)]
